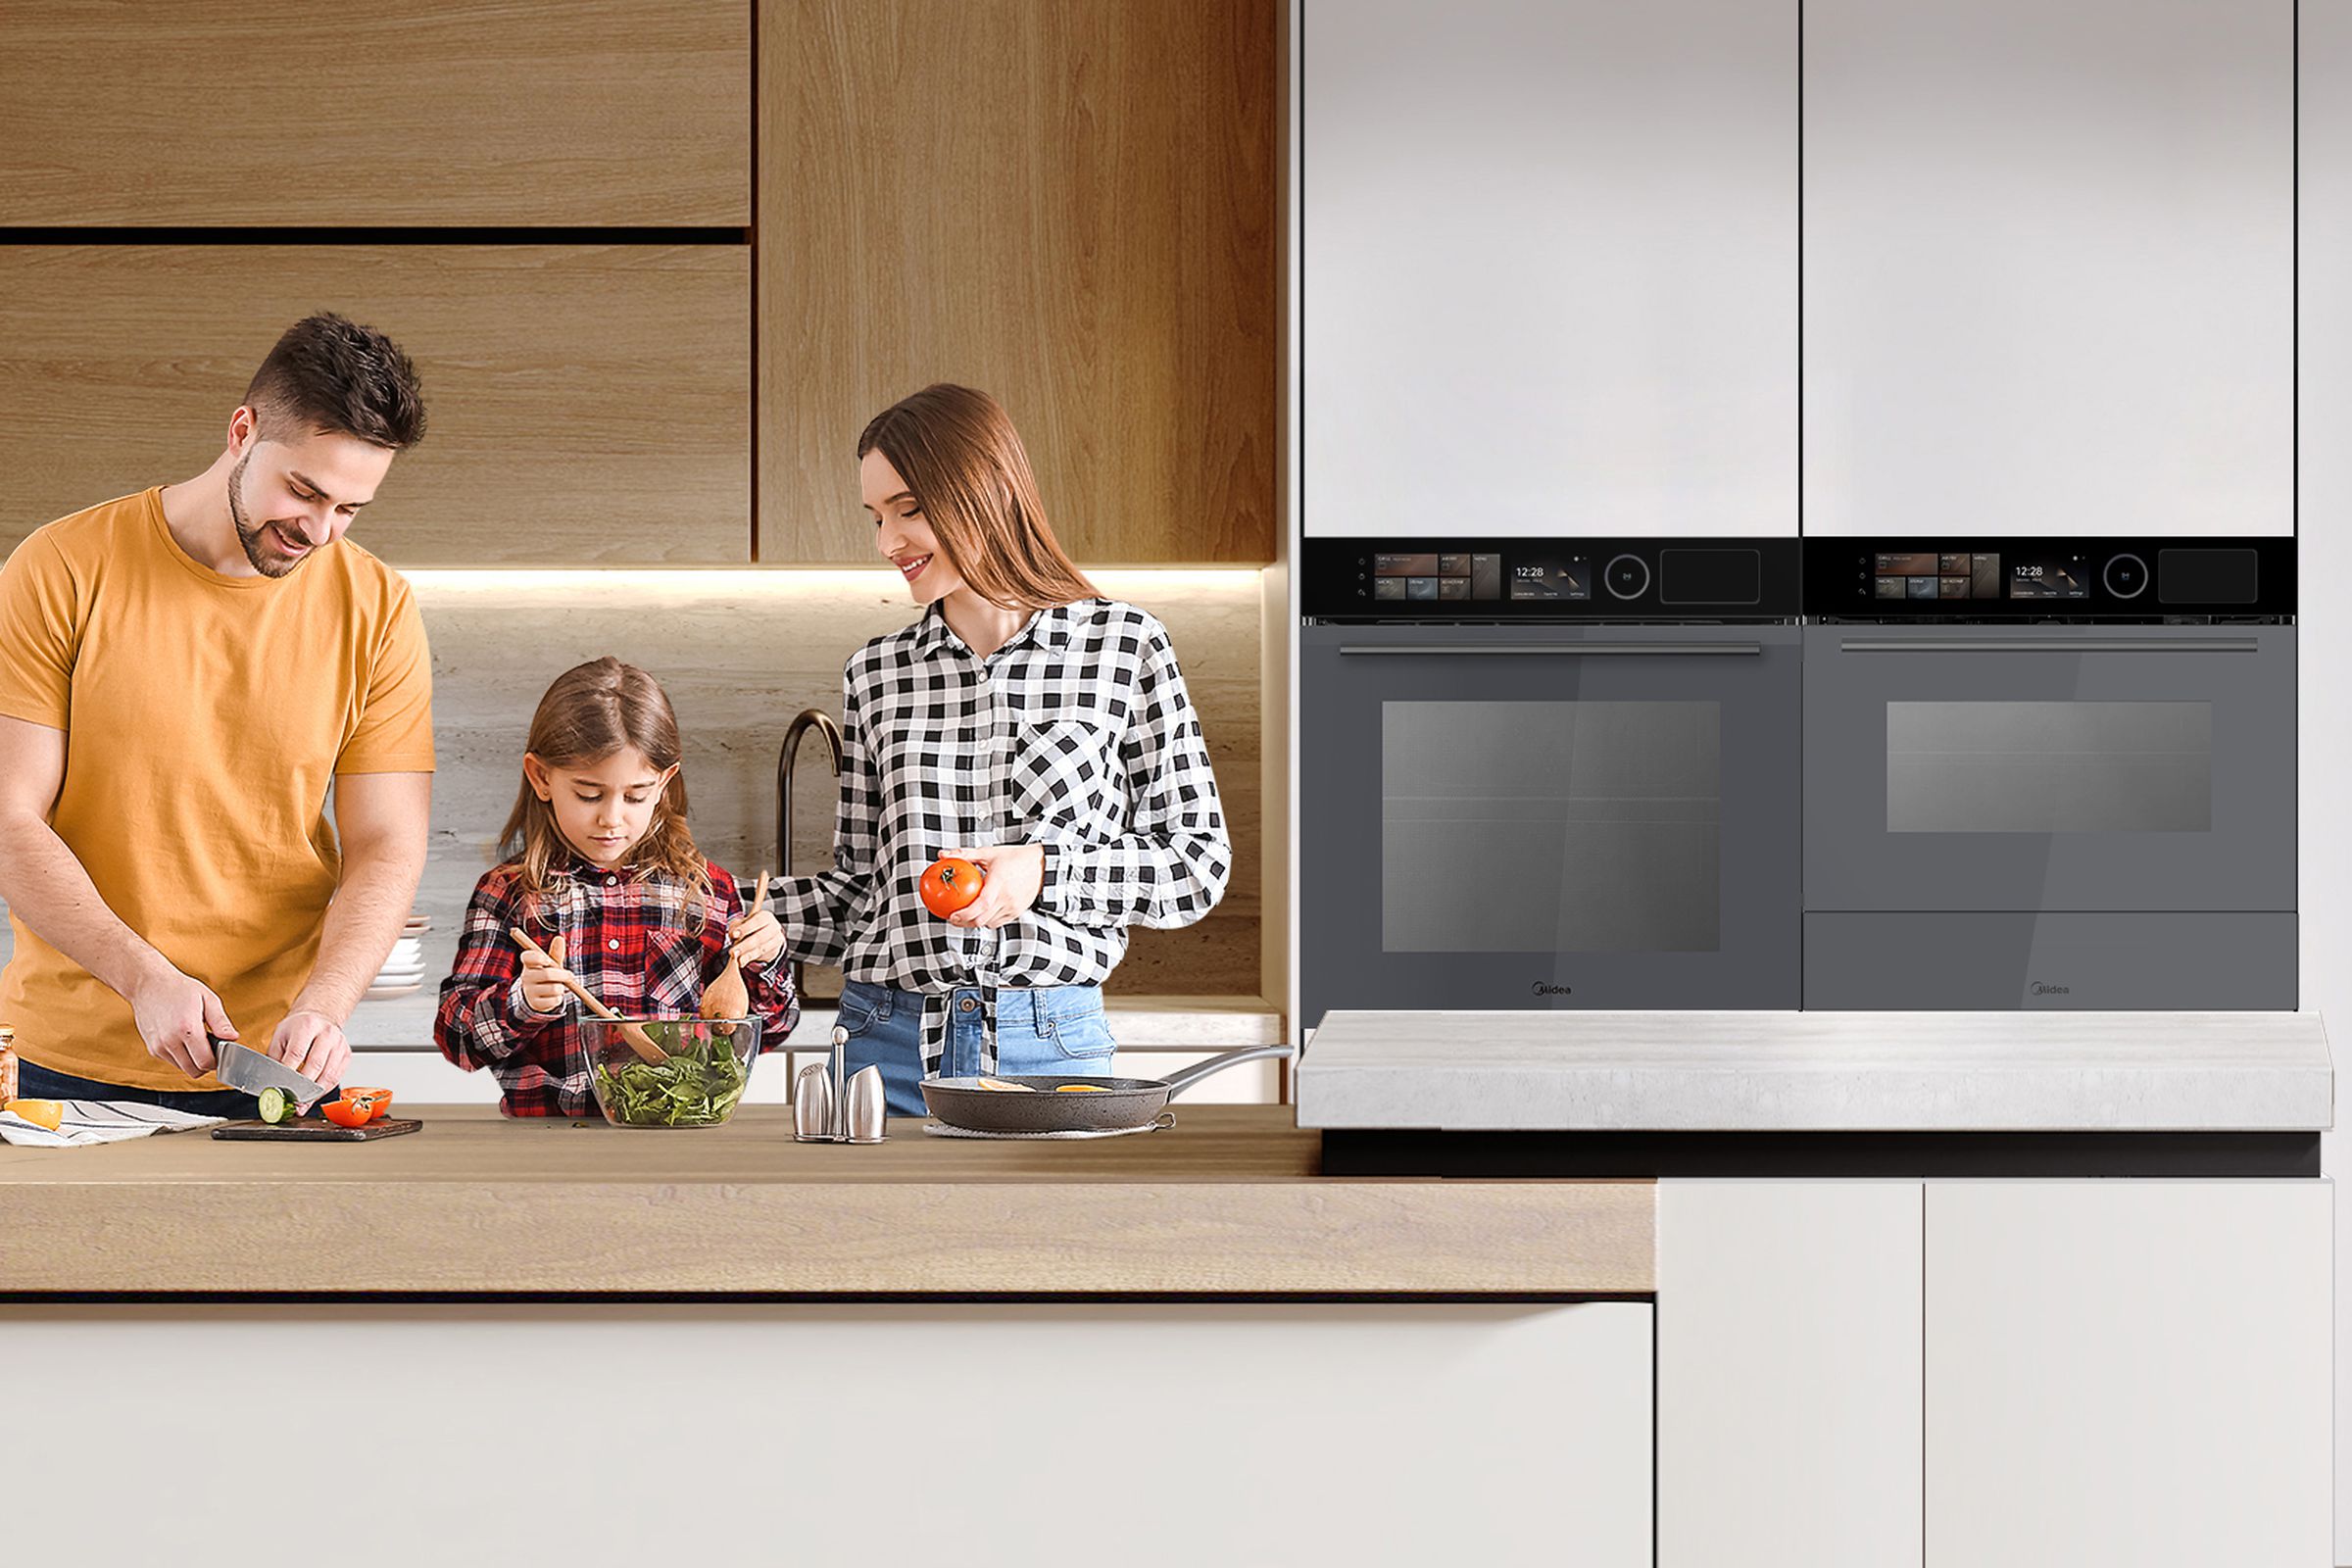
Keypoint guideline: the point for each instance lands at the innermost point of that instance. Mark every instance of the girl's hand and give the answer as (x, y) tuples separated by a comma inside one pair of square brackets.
[(544, 990), (1011, 875), (755, 937)]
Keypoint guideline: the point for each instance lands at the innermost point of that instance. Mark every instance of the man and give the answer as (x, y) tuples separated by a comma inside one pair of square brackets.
[(183, 673)]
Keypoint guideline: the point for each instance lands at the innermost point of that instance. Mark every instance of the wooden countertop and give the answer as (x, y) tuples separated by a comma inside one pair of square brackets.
[(1227, 1202)]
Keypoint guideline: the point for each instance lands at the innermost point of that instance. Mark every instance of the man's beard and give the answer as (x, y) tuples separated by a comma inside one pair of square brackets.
[(265, 561)]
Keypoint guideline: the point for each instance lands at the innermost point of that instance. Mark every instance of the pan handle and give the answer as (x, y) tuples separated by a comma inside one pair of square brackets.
[(1179, 1082)]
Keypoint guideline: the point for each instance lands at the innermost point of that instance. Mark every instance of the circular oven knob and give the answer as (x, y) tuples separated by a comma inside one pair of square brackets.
[(1627, 576), (2125, 576)]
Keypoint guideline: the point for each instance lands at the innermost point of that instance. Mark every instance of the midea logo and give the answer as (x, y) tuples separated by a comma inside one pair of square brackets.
[(1543, 990), (2041, 990)]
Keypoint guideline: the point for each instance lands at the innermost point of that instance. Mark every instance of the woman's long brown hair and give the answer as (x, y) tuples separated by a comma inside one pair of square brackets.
[(960, 455), (591, 712)]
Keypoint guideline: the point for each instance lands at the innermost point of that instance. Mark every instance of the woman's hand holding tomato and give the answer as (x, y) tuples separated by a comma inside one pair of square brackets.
[(1011, 875)]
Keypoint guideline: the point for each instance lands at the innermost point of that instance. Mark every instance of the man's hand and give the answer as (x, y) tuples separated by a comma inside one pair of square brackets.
[(312, 1045), (545, 990), (1010, 876), (175, 1018)]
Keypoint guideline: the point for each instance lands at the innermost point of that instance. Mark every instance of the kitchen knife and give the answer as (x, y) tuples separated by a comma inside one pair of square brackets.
[(243, 1067)]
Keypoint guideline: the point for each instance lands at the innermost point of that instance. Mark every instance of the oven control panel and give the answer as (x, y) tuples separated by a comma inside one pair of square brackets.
[(1595, 578), (2155, 579)]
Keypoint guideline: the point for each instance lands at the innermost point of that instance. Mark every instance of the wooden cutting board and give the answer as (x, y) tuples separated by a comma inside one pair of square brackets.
[(314, 1132)]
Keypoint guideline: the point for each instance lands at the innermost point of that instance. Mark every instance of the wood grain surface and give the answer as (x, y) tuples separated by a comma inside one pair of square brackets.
[(1068, 204), (587, 405), (397, 112), (1227, 1200)]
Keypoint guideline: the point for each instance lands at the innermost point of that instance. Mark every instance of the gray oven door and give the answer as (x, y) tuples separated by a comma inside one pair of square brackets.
[(1544, 818), (2050, 768)]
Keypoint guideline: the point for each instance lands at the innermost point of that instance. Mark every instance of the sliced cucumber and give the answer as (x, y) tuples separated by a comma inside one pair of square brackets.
[(274, 1105)]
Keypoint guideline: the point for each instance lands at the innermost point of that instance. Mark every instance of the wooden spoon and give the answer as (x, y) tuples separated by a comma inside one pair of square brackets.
[(633, 1034), (728, 997)]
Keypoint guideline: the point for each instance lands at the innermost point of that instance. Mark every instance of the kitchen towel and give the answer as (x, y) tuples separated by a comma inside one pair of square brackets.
[(101, 1121)]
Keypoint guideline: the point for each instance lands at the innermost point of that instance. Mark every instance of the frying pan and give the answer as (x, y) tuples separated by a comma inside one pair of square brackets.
[(1115, 1105)]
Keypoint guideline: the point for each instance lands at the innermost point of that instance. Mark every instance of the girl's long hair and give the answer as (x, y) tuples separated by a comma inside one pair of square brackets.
[(591, 712), (960, 455)]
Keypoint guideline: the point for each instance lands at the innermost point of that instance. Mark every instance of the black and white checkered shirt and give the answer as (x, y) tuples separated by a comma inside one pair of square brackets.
[(1078, 735)]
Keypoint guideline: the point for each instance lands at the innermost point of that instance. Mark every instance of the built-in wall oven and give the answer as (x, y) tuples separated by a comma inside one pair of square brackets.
[(2050, 774), (1548, 773)]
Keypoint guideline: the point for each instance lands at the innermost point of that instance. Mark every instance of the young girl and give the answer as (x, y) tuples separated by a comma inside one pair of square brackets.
[(599, 869)]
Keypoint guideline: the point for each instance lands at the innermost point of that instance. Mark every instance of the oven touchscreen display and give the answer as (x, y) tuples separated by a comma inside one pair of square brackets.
[(1930, 574), (1555, 578), (1411, 575), (2049, 577)]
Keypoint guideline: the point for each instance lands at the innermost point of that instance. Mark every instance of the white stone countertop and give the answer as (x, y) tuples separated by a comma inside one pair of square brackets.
[(1819, 1071)]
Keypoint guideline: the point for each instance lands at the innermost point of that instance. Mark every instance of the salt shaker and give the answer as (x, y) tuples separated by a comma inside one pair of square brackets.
[(867, 1105), (812, 1104)]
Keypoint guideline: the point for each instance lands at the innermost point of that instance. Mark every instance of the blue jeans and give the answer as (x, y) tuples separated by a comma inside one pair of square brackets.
[(1041, 1030), (37, 1082)]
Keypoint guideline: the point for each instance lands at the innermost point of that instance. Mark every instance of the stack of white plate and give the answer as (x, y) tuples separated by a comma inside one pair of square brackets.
[(404, 971)]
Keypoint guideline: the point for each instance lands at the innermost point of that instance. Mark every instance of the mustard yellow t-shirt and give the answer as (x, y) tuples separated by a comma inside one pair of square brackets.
[(205, 718)]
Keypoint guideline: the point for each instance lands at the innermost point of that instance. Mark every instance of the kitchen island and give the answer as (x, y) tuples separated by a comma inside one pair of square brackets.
[(1181, 1347)]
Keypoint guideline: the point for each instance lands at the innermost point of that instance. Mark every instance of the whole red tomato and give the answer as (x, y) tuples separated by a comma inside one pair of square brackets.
[(948, 884)]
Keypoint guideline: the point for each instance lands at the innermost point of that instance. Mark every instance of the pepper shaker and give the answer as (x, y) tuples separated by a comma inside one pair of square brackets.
[(864, 1112)]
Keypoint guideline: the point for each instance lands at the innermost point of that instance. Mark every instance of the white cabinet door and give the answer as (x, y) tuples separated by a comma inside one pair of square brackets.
[(1549, 267), (1037, 1436), (2048, 266), (2129, 1373), (1789, 1374)]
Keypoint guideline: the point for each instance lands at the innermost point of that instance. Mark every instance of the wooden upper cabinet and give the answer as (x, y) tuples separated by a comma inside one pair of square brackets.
[(586, 405), (397, 112), (1068, 203)]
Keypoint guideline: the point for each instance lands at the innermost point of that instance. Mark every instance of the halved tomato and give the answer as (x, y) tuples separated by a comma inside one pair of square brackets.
[(377, 1101), (348, 1112)]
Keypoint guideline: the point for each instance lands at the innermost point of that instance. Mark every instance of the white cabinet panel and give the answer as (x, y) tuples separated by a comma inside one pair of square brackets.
[(2129, 1373), (1789, 1374), (1025, 1436), (2324, 556), (2048, 278), (1549, 267)]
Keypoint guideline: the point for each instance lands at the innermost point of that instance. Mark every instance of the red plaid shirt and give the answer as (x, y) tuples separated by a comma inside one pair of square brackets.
[(641, 940)]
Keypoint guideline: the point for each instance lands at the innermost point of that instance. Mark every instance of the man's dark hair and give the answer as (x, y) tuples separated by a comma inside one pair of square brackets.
[(330, 374)]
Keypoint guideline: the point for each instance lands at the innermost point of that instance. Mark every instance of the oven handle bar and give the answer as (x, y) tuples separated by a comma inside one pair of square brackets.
[(2049, 645), (1579, 650)]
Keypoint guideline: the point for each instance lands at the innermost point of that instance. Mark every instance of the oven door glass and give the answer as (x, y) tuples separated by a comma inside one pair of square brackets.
[(1557, 816), (1544, 827), (2050, 768)]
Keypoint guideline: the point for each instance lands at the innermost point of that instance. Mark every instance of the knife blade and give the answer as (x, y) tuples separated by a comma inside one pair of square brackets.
[(243, 1067)]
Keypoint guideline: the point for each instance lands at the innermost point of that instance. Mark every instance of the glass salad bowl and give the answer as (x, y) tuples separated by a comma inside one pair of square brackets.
[(669, 1072)]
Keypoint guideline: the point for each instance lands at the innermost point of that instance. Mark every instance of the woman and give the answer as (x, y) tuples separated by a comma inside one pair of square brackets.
[(1024, 722)]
